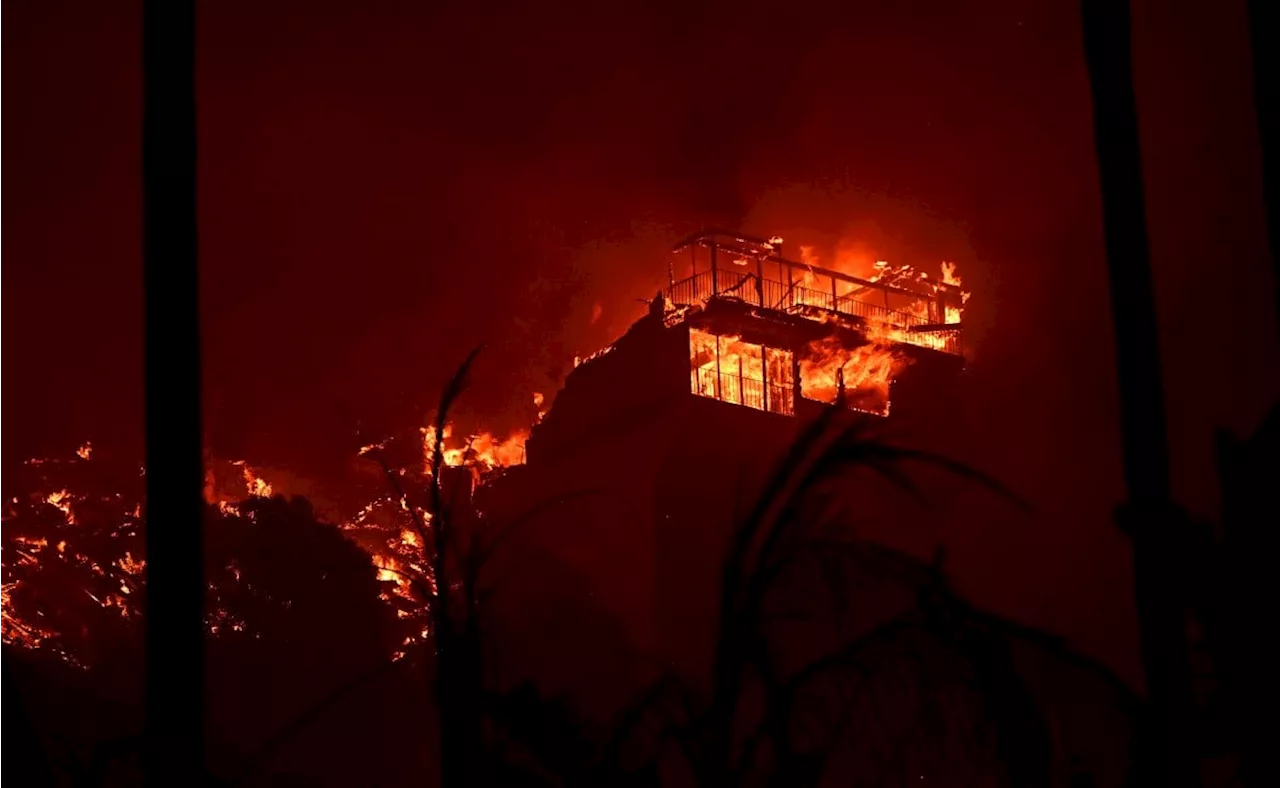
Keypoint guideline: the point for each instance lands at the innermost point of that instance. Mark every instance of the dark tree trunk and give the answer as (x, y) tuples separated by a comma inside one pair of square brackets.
[(175, 587), (1165, 754)]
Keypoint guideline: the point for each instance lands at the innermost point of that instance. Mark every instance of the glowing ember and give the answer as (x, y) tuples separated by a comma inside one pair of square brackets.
[(579, 360), (62, 501), (64, 551), (16, 630), (129, 564)]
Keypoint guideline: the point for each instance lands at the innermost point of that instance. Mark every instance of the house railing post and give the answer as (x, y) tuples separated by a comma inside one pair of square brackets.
[(764, 376), (719, 395), (715, 285)]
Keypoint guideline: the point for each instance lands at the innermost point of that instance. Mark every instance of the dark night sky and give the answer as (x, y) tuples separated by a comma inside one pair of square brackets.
[(385, 184)]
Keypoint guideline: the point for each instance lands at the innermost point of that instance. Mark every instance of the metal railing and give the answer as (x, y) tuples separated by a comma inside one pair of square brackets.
[(694, 290), (946, 340), (797, 299), (742, 390), (852, 306)]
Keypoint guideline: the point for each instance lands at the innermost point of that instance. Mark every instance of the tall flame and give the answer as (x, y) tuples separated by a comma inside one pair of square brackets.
[(865, 372), (853, 259), (481, 450)]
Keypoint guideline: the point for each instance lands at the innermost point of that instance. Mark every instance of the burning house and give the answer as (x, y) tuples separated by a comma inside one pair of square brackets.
[(695, 404), (779, 336), (659, 445), (754, 329)]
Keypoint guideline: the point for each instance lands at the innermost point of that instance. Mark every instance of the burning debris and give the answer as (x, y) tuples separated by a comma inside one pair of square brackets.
[(73, 559), (74, 549)]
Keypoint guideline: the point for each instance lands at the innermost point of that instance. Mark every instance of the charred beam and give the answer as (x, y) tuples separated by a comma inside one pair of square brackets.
[(864, 284), (712, 237)]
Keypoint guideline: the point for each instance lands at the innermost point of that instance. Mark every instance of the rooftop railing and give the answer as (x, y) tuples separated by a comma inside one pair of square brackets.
[(797, 298)]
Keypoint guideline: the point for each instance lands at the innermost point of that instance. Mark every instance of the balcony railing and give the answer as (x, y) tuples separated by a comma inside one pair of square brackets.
[(742, 390), (798, 299)]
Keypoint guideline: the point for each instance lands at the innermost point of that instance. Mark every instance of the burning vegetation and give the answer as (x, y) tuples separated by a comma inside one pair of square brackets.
[(74, 546), (73, 557)]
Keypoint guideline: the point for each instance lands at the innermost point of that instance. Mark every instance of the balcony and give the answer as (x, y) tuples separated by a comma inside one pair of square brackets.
[(742, 373), (738, 389)]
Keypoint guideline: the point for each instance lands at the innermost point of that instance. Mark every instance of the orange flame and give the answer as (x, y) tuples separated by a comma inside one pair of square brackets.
[(62, 500), (950, 277), (854, 259), (481, 450), (866, 371), (732, 370), (255, 485)]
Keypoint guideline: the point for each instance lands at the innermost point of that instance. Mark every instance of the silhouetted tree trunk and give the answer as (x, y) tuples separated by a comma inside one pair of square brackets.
[(175, 586), (1165, 754)]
